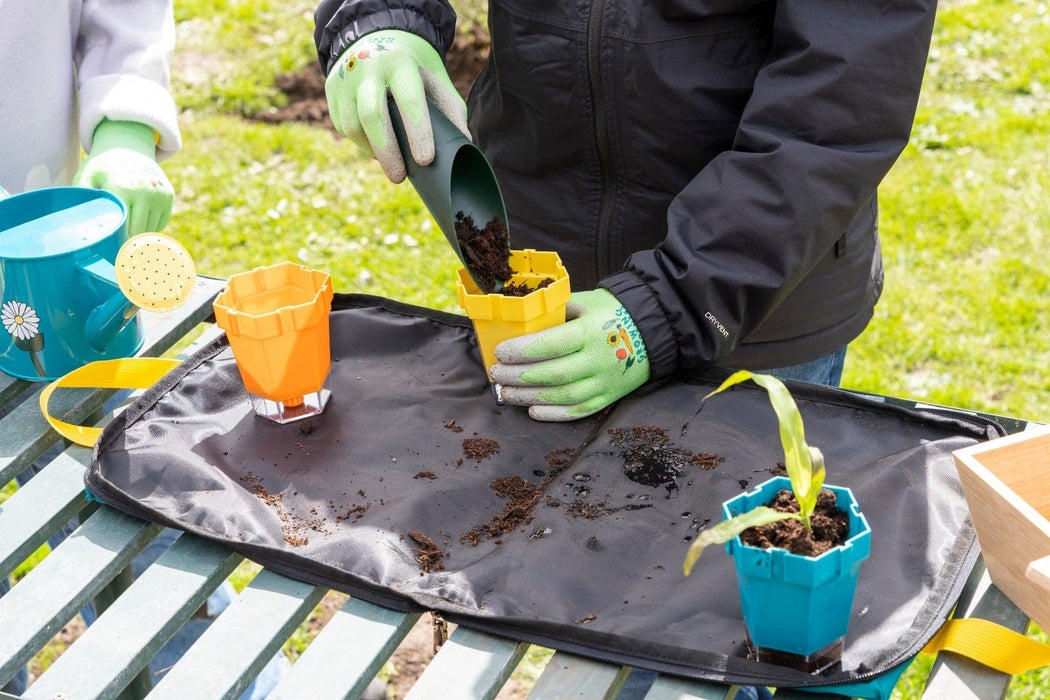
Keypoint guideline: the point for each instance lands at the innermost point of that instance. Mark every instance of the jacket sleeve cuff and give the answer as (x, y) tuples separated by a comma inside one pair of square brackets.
[(653, 321), (348, 24), (129, 98)]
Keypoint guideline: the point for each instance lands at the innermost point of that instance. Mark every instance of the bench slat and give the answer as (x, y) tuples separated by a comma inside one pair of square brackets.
[(568, 676), (242, 640), (960, 678), (36, 608), (789, 694), (36, 511), (348, 653), (107, 657), (469, 666), (26, 434), (670, 688)]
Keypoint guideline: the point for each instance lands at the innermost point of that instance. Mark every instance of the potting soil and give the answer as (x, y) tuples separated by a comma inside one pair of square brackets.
[(485, 250), (415, 490)]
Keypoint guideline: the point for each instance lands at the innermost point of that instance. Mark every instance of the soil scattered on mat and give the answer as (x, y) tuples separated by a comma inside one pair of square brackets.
[(829, 523), (521, 496), (294, 527), (650, 459), (486, 251), (480, 448), (428, 554)]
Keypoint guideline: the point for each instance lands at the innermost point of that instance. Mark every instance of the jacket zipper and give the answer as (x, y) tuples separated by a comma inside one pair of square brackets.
[(601, 133)]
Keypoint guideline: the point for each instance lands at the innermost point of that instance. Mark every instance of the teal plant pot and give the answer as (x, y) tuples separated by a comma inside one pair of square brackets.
[(799, 606)]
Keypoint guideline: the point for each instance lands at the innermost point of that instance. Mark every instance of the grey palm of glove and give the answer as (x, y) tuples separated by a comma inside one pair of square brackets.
[(399, 65)]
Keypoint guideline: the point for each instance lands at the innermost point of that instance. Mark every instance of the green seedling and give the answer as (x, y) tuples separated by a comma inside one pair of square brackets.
[(804, 464)]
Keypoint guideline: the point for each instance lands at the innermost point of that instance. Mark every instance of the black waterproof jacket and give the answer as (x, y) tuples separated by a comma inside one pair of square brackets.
[(712, 163)]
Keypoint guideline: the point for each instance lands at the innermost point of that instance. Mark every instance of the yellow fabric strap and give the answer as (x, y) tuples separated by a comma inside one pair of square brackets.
[(990, 644), (125, 373)]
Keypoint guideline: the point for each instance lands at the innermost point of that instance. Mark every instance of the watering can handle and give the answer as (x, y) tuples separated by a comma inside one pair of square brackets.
[(124, 373)]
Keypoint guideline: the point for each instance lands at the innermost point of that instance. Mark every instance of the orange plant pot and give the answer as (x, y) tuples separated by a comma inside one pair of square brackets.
[(497, 317), (276, 320)]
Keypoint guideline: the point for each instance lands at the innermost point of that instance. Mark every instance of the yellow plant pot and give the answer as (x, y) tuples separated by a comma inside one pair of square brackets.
[(276, 320), (498, 317)]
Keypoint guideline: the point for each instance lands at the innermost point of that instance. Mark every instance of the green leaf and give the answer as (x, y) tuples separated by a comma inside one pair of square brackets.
[(728, 529), (798, 456)]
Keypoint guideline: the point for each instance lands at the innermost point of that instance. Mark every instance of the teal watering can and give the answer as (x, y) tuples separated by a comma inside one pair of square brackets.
[(71, 281)]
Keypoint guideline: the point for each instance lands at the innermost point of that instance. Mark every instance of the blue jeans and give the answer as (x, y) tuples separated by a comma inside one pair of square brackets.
[(825, 370)]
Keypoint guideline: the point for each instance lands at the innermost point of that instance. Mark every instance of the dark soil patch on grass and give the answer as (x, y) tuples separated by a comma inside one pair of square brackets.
[(304, 88)]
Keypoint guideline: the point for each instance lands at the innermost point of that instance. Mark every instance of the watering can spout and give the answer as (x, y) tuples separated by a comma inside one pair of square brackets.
[(151, 271)]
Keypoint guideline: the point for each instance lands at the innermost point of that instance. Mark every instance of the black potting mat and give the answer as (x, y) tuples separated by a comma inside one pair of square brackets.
[(412, 443)]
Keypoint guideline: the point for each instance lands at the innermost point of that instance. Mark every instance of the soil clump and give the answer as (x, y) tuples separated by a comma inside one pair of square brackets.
[(522, 497), (829, 527), (520, 289), (479, 448), (428, 554), (650, 459)]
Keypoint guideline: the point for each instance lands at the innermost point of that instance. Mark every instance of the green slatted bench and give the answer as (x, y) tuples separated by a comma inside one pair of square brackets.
[(109, 660)]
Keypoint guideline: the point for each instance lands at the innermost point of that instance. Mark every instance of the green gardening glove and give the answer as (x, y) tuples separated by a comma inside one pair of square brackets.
[(398, 64), (123, 160), (575, 369)]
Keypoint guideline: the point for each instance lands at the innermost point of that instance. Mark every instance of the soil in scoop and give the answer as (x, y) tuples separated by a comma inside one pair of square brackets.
[(829, 527), (486, 251)]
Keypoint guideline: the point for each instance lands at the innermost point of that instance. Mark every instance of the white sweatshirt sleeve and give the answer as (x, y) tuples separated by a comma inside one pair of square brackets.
[(122, 53)]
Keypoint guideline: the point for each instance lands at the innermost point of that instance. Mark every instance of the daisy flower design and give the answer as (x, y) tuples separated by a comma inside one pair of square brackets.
[(20, 320)]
